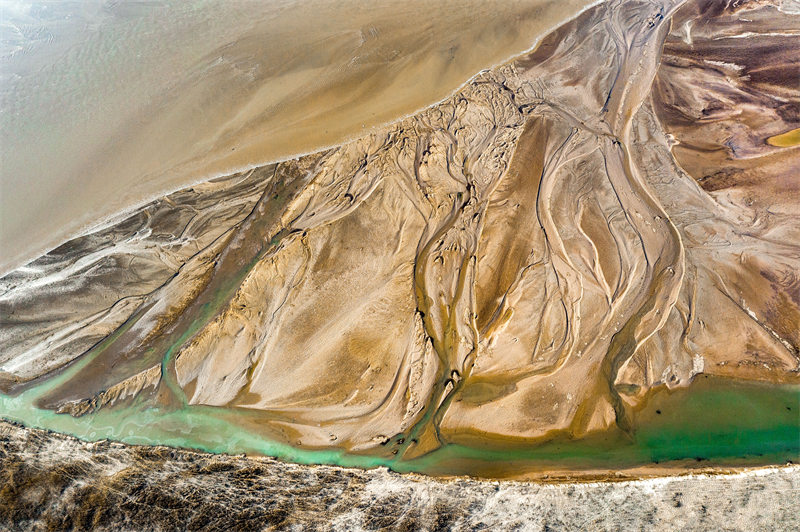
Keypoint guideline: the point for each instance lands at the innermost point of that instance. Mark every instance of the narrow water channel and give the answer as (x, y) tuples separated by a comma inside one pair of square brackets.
[(714, 421)]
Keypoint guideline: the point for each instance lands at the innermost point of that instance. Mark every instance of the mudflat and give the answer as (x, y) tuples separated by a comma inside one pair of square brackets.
[(583, 260)]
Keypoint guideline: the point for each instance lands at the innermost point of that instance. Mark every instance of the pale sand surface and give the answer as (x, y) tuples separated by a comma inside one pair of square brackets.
[(106, 104)]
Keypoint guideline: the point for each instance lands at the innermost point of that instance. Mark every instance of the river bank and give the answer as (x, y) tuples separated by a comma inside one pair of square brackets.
[(54, 482)]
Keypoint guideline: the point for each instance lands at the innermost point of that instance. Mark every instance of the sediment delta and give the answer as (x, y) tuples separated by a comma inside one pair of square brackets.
[(517, 278)]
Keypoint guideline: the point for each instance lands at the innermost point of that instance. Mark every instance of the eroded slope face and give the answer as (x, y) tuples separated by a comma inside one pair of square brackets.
[(529, 257)]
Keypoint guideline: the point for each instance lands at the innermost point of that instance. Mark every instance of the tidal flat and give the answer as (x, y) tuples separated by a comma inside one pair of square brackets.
[(580, 265)]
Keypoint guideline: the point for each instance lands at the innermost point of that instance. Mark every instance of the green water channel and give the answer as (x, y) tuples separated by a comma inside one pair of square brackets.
[(712, 422)]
